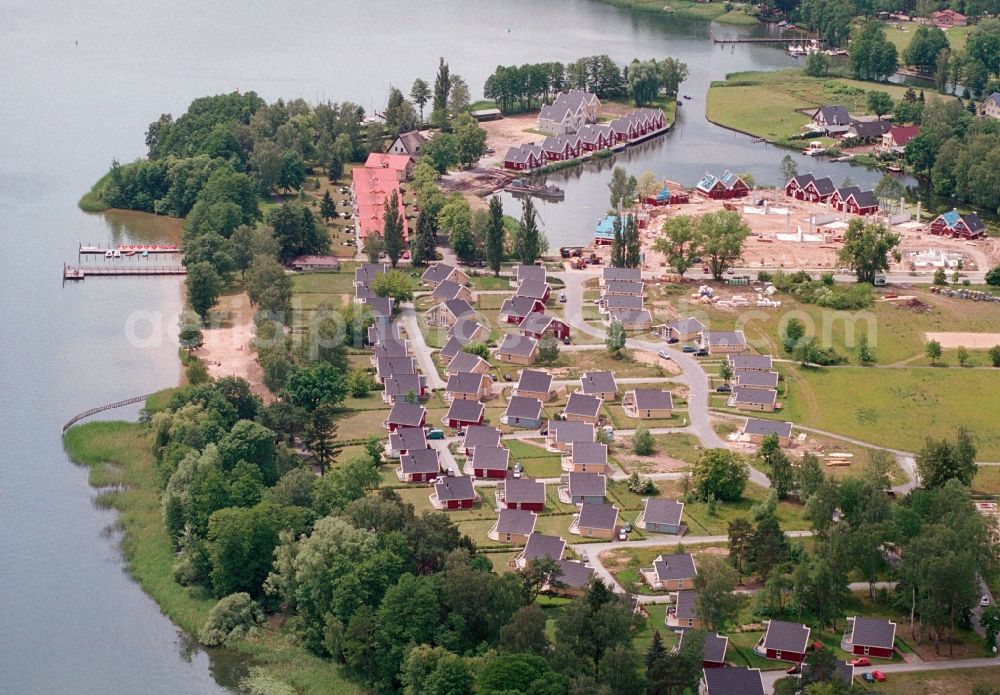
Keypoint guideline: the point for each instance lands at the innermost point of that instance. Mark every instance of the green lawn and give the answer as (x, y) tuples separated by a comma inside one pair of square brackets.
[(902, 37), (710, 11), (987, 480), (897, 408), (946, 682)]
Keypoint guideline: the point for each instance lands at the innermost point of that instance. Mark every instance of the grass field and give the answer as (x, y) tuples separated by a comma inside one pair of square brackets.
[(947, 682), (766, 104), (117, 453), (709, 12), (897, 408), (901, 37)]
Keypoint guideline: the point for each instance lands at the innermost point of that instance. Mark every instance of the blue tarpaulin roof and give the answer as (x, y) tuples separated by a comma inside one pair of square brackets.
[(606, 227), (951, 218), (664, 194)]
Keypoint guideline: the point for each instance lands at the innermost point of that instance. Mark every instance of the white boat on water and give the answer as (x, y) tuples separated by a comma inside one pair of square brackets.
[(117, 254), (108, 254), (815, 148)]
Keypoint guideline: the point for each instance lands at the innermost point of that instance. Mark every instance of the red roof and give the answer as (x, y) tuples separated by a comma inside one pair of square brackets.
[(372, 187), (395, 162), (902, 134)]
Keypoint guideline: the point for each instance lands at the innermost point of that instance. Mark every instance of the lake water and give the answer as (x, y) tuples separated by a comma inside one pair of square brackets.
[(80, 84)]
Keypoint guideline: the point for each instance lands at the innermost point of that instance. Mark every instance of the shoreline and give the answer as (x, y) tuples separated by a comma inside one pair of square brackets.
[(702, 12)]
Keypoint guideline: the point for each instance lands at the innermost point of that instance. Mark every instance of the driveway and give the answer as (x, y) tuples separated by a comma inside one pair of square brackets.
[(422, 352)]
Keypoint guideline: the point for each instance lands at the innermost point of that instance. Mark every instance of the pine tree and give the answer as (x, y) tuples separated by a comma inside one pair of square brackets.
[(327, 208), (392, 229), (335, 169), (618, 244), (529, 245), (423, 250), (495, 236), (633, 245), (656, 651)]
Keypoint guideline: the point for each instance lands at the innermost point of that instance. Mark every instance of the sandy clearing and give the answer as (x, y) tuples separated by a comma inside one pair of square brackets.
[(228, 348), (972, 341)]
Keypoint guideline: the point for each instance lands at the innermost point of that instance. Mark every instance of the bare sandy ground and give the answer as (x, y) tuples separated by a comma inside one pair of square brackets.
[(972, 341), (228, 348)]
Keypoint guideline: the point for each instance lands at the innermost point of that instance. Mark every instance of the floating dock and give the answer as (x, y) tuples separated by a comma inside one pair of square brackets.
[(130, 249), (79, 272)]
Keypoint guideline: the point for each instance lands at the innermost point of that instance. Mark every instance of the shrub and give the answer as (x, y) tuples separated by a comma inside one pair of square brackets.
[(642, 442), (233, 617)]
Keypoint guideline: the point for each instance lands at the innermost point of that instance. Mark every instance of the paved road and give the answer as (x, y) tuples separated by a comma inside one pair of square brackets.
[(770, 677), (422, 352), (691, 372)]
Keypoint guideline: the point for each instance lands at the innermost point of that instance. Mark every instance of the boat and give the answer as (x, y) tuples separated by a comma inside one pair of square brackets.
[(145, 254), (117, 254), (815, 148), (520, 186), (680, 103), (895, 168), (109, 254), (686, 96), (130, 253)]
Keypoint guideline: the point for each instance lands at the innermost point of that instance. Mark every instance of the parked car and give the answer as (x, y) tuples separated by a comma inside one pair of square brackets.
[(562, 297), (984, 601), (701, 353), (664, 354), (673, 341), (689, 348), (860, 662), (518, 470), (507, 376), (723, 388), (792, 670), (565, 340), (627, 527), (874, 676), (583, 556), (435, 434), (622, 536)]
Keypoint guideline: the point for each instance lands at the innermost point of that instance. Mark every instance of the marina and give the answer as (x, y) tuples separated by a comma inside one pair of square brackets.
[(79, 272), (128, 249)]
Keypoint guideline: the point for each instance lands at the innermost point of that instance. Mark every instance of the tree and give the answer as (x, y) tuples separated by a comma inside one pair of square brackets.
[(781, 474), (420, 93), (191, 338), (925, 47), (525, 633), (873, 56), (313, 386), (327, 208), (495, 236), (392, 228), (441, 151), (452, 676), (204, 285), (530, 242), (717, 604), (820, 590), (889, 190), (942, 460), (478, 349), (395, 284), (548, 350), (767, 547), (867, 248), (726, 371), (642, 442), (740, 531), (993, 276), (233, 617), (722, 234), (296, 231), (423, 248), (469, 139), (335, 168), (933, 350), (618, 243), (817, 65), (809, 475), (721, 474), (963, 356), (442, 86), (680, 243), (616, 338), (623, 188), (793, 334), (673, 673), (458, 98), (789, 169), (373, 247), (940, 277), (995, 355), (879, 103), (618, 671), (632, 255)]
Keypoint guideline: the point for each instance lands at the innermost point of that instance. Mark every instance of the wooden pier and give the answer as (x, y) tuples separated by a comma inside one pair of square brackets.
[(101, 408), (129, 249), (766, 39), (79, 272)]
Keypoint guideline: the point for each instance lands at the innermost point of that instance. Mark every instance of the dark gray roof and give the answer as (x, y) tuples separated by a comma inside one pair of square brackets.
[(420, 461), (535, 289), (534, 381), (743, 394), (834, 115), (678, 566), (448, 289), (865, 199), (369, 271), (802, 180), (402, 384), (536, 322), (659, 511), (480, 435), (392, 366), (516, 521), (408, 438), (569, 432), (622, 301), (459, 307), (410, 414), (540, 545), (457, 487), (556, 143), (754, 425), (465, 411), (628, 274), (870, 129), (574, 574), (724, 338), (589, 453), (523, 490), (522, 153), (786, 637), (412, 142), (382, 332), (527, 408), (519, 306), (438, 272), (631, 317), (464, 329), (582, 404), (514, 344), (688, 325), (453, 346), (598, 382), (715, 648), (590, 133), (873, 632), (494, 458), (653, 399), (598, 515), (733, 680), (587, 484), (745, 362), (529, 272), (685, 606), (757, 378), (973, 222), (380, 306), (465, 362), (623, 287), (824, 186), (464, 382)]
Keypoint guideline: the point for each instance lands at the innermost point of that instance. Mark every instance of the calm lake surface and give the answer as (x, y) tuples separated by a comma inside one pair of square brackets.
[(80, 84)]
